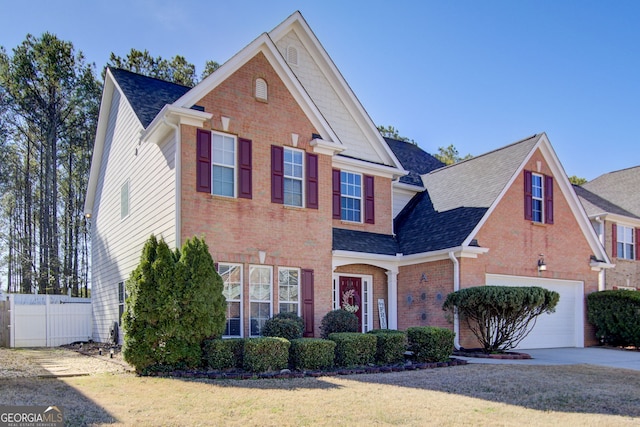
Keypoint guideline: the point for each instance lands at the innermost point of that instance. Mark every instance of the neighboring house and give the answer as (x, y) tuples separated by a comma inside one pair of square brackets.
[(612, 202), (306, 208)]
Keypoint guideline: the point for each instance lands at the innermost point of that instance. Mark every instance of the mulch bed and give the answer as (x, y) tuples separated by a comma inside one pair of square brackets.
[(479, 353)]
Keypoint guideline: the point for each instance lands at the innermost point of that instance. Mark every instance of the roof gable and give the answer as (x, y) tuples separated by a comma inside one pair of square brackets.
[(619, 188), (146, 95), (595, 205), (414, 159)]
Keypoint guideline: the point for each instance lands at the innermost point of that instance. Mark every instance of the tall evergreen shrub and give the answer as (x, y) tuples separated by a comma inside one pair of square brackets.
[(174, 302)]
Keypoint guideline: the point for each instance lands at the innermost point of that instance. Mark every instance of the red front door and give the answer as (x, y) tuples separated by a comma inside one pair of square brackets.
[(350, 294)]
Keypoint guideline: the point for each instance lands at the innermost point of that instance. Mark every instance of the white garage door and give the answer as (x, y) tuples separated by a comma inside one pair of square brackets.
[(564, 328)]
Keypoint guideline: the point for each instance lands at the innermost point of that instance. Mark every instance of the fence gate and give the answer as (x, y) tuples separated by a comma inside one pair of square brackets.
[(4, 324)]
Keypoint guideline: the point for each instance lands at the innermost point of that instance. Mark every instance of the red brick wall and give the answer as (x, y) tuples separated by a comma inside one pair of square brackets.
[(419, 300), (626, 271), (515, 244), (383, 211), (236, 229)]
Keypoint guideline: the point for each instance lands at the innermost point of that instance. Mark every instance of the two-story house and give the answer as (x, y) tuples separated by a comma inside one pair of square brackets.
[(306, 208), (612, 202)]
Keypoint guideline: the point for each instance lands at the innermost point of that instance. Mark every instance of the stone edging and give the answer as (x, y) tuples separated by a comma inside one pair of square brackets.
[(314, 374)]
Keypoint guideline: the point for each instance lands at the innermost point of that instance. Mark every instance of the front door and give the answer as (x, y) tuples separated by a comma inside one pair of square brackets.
[(351, 296)]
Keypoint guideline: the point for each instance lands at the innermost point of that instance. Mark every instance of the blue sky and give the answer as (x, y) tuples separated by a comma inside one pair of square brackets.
[(475, 74)]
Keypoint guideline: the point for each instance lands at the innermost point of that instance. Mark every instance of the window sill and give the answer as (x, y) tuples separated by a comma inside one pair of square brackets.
[(343, 222), (292, 207), (225, 198), (539, 224)]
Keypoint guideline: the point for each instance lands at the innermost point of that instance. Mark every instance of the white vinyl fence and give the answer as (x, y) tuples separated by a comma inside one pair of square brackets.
[(48, 320)]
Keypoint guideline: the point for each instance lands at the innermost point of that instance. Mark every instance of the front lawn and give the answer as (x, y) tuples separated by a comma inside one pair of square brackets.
[(474, 394)]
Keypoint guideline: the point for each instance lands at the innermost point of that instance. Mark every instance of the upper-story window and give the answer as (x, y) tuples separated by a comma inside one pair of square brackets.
[(350, 196), (223, 164), (538, 197), (625, 242), (353, 197), (293, 177)]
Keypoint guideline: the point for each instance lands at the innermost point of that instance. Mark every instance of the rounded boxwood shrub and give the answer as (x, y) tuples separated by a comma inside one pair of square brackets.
[(283, 325), (430, 343), (354, 348), (311, 353), (266, 354), (338, 321), (390, 345), (219, 354), (616, 316)]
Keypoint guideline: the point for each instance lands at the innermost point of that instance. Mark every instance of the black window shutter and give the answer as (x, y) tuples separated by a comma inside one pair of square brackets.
[(203, 161), (369, 200), (548, 199), (245, 185), (614, 241), (528, 197), (336, 196), (277, 174), (307, 301), (312, 181)]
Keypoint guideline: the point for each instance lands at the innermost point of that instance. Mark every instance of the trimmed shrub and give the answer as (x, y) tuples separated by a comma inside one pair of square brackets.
[(354, 348), (266, 354), (311, 353), (430, 344), (500, 317), (174, 302), (222, 354), (282, 327), (390, 345), (338, 321), (616, 316)]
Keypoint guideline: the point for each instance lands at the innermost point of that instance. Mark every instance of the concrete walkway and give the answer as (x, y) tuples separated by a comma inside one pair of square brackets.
[(598, 356)]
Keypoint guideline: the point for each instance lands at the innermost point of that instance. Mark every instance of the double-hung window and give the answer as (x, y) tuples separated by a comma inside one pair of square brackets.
[(625, 242), (260, 283), (223, 164), (350, 196), (232, 290), (288, 290), (293, 177), (538, 197)]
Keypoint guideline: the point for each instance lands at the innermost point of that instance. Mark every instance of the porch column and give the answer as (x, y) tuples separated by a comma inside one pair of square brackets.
[(392, 298)]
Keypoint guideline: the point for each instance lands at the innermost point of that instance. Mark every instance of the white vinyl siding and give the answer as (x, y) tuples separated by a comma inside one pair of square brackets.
[(117, 244)]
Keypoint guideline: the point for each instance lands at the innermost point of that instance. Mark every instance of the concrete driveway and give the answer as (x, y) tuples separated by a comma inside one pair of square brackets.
[(612, 358)]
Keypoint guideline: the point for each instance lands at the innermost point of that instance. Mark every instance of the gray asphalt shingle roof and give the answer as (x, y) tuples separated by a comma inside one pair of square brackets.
[(414, 159), (147, 95), (620, 188), (596, 205), (362, 241)]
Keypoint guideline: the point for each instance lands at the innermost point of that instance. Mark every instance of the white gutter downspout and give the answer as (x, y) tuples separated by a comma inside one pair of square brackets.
[(178, 160), (456, 287), (601, 283)]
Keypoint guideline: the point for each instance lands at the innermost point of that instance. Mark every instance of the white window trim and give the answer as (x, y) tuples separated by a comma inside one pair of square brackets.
[(122, 303), (270, 300), (361, 198), (239, 266), (126, 185), (633, 243), (235, 164), (289, 301), (541, 198), (367, 288), (301, 179)]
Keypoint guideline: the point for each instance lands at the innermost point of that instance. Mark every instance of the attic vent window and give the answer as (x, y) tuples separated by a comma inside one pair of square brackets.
[(261, 90), (292, 55)]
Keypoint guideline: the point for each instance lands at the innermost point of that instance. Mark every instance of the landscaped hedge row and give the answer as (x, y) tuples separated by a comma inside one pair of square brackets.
[(342, 349), (616, 316)]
